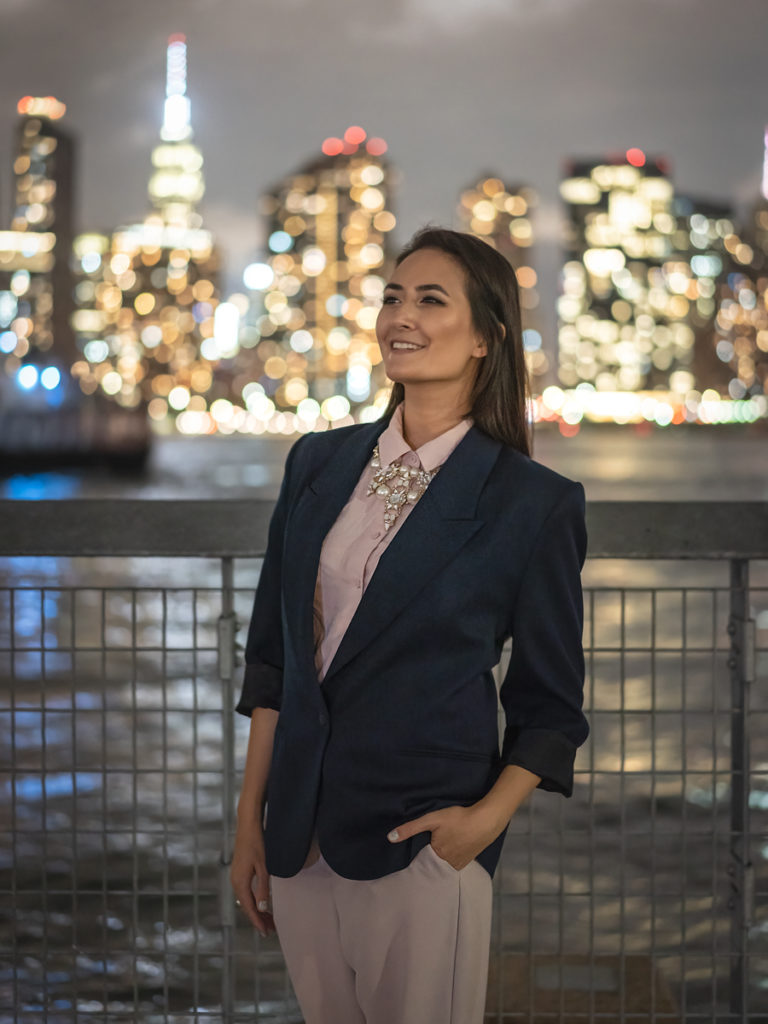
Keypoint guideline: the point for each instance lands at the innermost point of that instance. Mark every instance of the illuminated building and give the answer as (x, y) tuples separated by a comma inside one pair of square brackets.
[(620, 328), (641, 301), (742, 314), (36, 340), (501, 215), (320, 287), (698, 270), (149, 324)]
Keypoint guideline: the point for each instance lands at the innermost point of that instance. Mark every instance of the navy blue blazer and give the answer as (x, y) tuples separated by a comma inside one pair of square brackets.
[(405, 721)]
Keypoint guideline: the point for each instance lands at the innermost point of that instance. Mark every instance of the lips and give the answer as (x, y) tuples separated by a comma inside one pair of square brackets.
[(404, 346)]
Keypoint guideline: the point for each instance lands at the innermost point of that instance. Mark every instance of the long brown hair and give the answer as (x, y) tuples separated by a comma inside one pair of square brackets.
[(501, 387)]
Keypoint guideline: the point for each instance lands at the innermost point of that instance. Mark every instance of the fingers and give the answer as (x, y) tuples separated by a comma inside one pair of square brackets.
[(411, 828), (453, 836), (252, 898), (261, 893)]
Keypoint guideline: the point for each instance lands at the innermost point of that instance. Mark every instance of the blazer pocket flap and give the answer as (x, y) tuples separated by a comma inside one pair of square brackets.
[(458, 755)]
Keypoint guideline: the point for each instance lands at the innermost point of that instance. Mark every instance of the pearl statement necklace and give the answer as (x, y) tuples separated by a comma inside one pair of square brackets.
[(398, 485)]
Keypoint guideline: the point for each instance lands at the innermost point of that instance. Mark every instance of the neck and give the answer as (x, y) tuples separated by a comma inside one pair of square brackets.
[(428, 411)]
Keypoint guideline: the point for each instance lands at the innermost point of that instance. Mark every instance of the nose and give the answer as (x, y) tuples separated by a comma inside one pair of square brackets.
[(404, 316)]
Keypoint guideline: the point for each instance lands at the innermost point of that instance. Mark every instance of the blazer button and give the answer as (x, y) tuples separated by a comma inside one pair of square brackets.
[(322, 718)]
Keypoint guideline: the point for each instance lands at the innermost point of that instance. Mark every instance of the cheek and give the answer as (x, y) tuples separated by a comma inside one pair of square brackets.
[(450, 328)]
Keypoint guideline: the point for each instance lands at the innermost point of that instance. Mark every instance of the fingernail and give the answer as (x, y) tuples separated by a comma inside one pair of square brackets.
[(262, 906), (393, 836)]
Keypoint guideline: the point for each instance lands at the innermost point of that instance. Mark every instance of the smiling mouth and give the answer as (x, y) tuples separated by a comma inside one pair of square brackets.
[(404, 346)]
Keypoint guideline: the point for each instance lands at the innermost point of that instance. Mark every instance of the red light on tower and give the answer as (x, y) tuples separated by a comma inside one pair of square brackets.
[(41, 106), (178, 37), (332, 147), (355, 135), (636, 157), (376, 147)]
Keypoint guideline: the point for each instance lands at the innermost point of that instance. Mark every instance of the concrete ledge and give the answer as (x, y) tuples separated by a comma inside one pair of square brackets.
[(678, 529)]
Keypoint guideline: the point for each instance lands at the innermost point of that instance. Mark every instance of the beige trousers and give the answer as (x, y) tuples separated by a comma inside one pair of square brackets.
[(409, 948)]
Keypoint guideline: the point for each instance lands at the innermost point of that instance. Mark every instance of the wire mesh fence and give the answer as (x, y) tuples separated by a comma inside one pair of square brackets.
[(643, 897)]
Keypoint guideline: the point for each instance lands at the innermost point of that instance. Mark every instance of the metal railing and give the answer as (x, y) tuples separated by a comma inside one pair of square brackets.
[(643, 898)]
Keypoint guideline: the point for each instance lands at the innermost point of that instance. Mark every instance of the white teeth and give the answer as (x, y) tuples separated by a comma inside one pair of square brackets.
[(404, 345)]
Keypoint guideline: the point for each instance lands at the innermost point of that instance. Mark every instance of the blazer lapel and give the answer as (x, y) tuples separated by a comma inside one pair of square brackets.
[(434, 532), (312, 517)]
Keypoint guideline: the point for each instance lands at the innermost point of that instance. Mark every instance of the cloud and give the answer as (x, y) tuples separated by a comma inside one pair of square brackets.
[(456, 13), (409, 23), (12, 6)]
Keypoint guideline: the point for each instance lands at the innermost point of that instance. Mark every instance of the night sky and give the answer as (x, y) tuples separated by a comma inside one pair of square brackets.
[(456, 87)]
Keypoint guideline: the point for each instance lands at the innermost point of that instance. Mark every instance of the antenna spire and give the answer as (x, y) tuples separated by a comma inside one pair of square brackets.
[(176, 120)]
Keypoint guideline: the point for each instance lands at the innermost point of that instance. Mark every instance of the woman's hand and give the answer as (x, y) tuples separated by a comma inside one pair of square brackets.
[(249, 878), (458, 833)]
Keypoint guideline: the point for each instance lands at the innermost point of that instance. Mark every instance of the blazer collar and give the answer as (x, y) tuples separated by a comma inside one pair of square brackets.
[(338, 476), (442, 522), (392, 443), (455, 489)]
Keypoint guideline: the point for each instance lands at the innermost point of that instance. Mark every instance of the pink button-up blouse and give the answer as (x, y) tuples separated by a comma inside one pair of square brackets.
[(356, 541)]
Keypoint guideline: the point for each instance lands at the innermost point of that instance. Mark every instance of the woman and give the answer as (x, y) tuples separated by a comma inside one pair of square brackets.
[(374, 737)]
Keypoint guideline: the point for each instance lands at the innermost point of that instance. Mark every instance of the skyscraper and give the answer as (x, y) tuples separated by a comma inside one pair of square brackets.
[(329, 229), (742, 304), (147, 294), (36, 340), (620, 328), (501, 215), (657, 293), (697, 270)]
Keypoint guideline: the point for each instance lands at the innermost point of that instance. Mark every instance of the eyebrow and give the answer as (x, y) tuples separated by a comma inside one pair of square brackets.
[(419, 288)]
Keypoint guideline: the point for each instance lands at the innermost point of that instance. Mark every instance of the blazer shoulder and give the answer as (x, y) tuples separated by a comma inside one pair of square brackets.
[(547, 503), (518, 469)]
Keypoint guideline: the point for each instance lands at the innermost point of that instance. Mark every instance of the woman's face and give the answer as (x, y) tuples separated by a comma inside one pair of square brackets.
[(424, 328)]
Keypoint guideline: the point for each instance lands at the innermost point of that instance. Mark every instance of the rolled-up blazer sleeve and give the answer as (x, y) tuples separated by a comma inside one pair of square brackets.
[(542, 691), (263, 679)]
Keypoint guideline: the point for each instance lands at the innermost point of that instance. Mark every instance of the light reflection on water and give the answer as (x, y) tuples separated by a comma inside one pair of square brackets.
[(127, 812), (614, 463), (39, 486)]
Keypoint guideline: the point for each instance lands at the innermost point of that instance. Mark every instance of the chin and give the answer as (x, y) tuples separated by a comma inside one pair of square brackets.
[(404, 378), (402, 375)]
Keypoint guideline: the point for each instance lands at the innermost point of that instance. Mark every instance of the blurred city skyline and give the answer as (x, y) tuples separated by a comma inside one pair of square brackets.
[(537, 84), (660, 304)]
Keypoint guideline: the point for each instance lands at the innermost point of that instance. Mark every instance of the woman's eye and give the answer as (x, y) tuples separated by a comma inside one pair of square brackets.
[(388, 300)]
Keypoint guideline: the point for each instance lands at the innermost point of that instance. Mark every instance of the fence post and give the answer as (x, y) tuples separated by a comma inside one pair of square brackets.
[(741, 664), (227, 632)]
